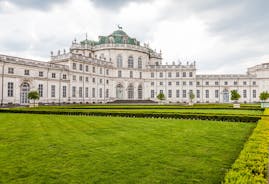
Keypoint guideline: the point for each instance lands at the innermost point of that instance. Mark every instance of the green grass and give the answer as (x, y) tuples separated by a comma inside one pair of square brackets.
[(75, 149)]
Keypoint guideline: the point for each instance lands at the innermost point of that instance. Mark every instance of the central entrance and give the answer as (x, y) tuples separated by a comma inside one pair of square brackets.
[(119, 92), (25, 88)]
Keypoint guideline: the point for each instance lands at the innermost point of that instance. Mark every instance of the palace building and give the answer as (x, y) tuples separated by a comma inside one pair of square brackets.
[(118, 68)]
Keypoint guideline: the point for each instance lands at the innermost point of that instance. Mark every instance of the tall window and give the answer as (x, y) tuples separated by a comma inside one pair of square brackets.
[(207, 93), (169, 74), (100, 92), (64, 91), (53, 75), (130, 91), (169, 93), (74, 91), (80, 67), (152, 75), (130, 62), (139, 63), (198, 93), (184, 93), (152, 93), (119, 61), (10, 89), (216, 93), (10, 70), (26, 72), (131, 74), (40, 90), (107, 93), (93, 92), (40, 74), (86, 92), (244, 93), (140, 92), (254, 93), (190, 74), (184, 74), (74, 66), (80, 92), (52, 91), (177, 74), (177, 93), (119, 73)]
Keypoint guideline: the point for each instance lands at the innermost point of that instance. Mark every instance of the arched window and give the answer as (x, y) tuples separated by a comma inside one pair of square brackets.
[(119, 91), (130, 62), (25, 88), (119, 61), (139, 63), (140, 92), (130, 91)]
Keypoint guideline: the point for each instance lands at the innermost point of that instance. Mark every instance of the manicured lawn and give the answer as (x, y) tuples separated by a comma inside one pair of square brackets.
[(75, 149)]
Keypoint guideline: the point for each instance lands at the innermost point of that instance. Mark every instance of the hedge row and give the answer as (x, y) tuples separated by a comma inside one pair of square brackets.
[(214, 117), (252, 163)]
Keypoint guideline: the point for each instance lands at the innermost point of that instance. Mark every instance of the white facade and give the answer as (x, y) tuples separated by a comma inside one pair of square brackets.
[(117, 68)]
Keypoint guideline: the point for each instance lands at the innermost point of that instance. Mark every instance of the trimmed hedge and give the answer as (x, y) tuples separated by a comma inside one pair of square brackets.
[(252, 163), (214, 117)]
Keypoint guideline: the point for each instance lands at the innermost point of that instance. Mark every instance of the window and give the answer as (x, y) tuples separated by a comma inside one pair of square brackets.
[(93, 92), (53, 75), (140, 92), (169, 83), (107, 93), (152, 75), (190, 74), (139, 63), (74, 77), (100, 93), (10, 70), (64, 91), (119, 73), (235, 83), (64, 76), (184, 93), (216, 93), (161, 74), (244, 93), (161, 91), (80, 67), (177, 74), (245, 83), (40, 74), (184, 74), (26, 72), (86, 92), (87, 68), (140, 75), (254, 83), (198, 93), (74, 91), (161, 83), (93, 69), (169, 74), (254, 93), (177, 93), (80, 78), (107, 71), (207, 83), (152, 93), (100, 81), (101, 71), (169, 93), (197, 83), (10, 89), (225, 83), (184, 83), (74, 66), (80, 92), (216, 83), (93, 80), (152, 83), (177, 83), (87, 79), (130, 62), (131, 74), (107, 81), (52, 91), (119, 61), (190, 83), (207, 93), (40, 90)]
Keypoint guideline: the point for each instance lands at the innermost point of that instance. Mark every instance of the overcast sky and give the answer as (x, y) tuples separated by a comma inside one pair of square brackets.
[(222, 36)]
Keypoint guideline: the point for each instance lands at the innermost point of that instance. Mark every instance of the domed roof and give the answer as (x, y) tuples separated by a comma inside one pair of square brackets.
[(119, 32)]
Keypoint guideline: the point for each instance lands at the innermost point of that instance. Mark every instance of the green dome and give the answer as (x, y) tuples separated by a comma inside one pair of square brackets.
[(119, 33)]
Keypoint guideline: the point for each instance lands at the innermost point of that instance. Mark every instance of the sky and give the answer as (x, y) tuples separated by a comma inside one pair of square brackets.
[(222, 36)]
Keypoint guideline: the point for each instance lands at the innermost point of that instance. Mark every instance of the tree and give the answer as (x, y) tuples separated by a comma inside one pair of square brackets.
[(160, 96), (191, 96), (33, 95), (264, 96), (235, 95)]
